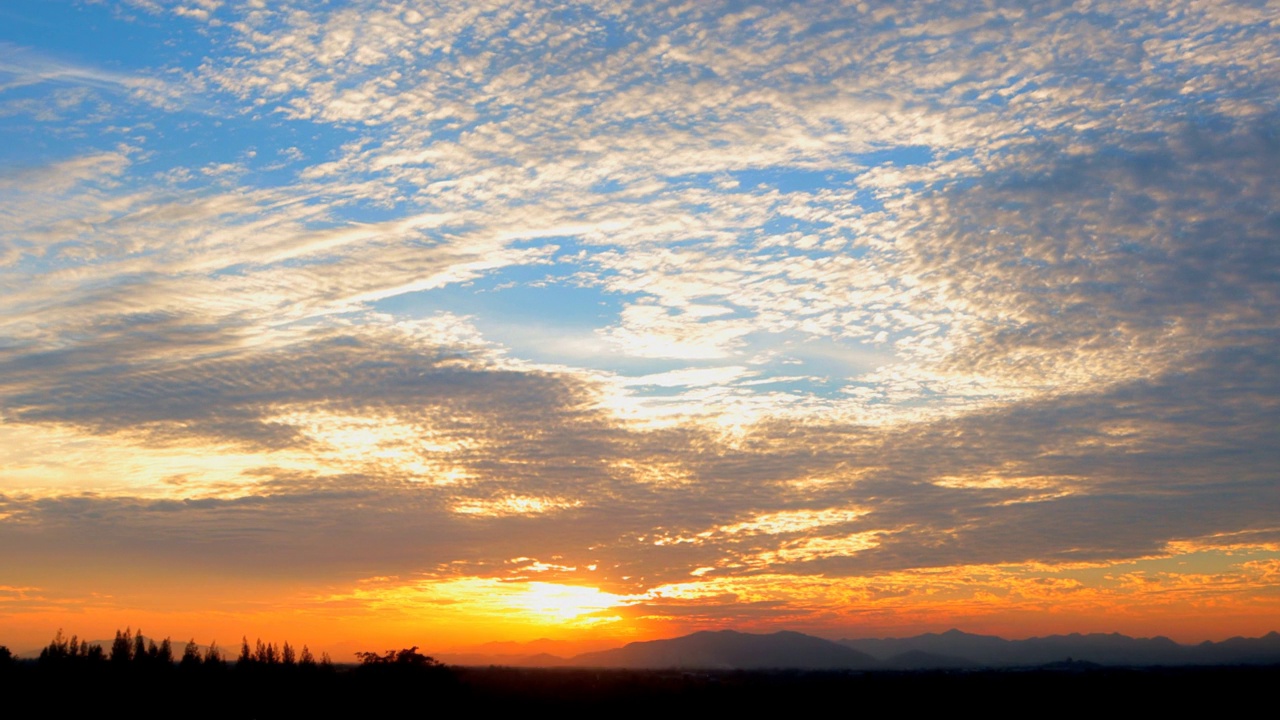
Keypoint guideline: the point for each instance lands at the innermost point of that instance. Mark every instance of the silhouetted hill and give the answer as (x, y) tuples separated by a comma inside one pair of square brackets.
[(1104, 649), (951, 650), (978, 649), (543, 652), (1111, 649), (730, 650), (1240, 651)]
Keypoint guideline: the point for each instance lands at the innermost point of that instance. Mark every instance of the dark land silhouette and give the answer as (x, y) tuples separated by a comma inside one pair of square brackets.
[(937, 650), (952, 650), (730, 650), (704, 672)]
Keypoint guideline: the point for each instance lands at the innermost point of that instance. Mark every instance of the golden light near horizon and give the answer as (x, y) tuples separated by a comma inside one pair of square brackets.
[(464, 610), (565, 603)]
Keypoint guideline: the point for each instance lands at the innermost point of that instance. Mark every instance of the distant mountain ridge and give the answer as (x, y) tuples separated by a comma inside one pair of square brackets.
[(954, 650), (731, 650), (1104, 649)]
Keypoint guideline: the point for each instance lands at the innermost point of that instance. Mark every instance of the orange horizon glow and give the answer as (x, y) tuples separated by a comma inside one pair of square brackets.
[(1231, 596)]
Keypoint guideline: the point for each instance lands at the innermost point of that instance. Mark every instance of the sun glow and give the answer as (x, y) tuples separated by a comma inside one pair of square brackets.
[(485, 604), (564, 602)]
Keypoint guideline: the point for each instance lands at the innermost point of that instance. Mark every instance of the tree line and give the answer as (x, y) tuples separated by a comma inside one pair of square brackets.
[(130, 649), (264, 678), (134, 649)]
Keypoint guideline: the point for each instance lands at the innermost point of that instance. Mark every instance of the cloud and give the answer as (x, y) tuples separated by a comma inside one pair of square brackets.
[(869, 293), (23, 67), (1144, 471)]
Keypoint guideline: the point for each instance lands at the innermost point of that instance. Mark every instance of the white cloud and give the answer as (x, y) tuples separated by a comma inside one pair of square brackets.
[(873, 289)]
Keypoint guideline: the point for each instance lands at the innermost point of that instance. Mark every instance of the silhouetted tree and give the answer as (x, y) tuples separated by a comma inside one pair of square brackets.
[(408, 657), (61, 651), (266, 653), (122, 647), (139, 648), (246, 655), (93, 653), (164, 654), (190, 656), (213, 655)]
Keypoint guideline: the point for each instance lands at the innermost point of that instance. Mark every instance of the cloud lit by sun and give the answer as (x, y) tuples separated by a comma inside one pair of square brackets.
[(565, 602), (632, 318)]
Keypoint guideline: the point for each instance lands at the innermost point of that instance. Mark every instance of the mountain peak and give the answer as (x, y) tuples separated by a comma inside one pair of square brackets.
[(731, 649)]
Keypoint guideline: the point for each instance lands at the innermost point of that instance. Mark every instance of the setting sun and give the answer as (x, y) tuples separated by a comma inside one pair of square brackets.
[(564, 602)]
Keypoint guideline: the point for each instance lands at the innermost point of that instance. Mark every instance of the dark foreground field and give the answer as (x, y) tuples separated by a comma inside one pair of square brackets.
[(1082, 690), (425, 691)]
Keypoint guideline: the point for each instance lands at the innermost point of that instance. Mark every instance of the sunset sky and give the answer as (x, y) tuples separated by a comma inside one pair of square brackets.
[(363, 324)]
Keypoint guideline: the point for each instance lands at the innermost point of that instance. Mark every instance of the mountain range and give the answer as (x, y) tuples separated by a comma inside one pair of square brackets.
[(732, 650)]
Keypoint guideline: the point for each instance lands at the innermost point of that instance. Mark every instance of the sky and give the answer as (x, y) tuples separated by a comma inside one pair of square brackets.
[(441, 323)]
